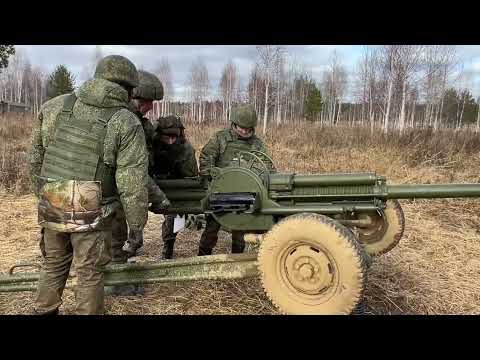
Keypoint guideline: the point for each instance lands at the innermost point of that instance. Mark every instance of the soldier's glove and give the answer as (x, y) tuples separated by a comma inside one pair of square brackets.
[(189, 221), (195, 222), (134, 242), (208, 172), (158, 207)]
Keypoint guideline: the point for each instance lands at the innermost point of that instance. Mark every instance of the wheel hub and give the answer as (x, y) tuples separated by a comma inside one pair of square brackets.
[(373, 232), (308, 269)]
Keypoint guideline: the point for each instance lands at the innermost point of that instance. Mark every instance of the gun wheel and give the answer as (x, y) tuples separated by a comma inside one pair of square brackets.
[(385, 231), (311, 264)]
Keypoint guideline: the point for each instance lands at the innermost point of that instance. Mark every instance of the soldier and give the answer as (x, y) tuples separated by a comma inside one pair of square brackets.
[(88, 158), (150, 88), (174, 158), (219, 152)]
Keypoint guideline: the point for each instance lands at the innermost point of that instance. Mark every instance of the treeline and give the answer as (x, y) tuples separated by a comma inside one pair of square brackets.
[(391, 87), (22, 82), (394, 82)]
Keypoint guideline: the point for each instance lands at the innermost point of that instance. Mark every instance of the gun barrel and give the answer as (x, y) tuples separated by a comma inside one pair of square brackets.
[(433, 191), (335, 179)]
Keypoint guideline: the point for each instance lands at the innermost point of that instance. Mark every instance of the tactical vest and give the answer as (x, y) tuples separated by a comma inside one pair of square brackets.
[(230, 146), (76, 177)]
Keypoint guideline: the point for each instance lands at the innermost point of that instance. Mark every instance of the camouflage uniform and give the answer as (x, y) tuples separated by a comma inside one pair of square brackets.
[(150, 88), (88, 157), (174, 161), (155, 194), (219, 152)]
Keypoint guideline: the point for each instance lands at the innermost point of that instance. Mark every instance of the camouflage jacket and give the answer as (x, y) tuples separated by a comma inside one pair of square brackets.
[(174, 161), (155, 194), (124, 149), (223, 146), (148, 130)]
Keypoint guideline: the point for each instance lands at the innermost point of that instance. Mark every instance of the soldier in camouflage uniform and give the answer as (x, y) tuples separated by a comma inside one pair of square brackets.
[(150, 88), (88, 158), (174, 158), (219, 152)]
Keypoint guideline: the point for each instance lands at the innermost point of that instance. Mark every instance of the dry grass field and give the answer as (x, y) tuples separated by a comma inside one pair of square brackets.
[(434, 270)]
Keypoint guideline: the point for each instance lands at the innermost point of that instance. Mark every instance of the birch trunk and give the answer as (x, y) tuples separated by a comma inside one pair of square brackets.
[(265, 108), (401, 120), (389, 100)]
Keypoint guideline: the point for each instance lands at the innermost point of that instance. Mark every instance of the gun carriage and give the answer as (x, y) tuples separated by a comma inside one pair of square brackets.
[(315, 234)]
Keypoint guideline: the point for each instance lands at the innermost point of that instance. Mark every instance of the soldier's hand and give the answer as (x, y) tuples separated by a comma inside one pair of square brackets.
[(209, 173), (190, 221), (158, 207), (134, 242)]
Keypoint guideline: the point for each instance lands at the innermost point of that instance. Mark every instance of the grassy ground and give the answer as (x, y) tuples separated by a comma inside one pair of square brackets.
[(434, 270)]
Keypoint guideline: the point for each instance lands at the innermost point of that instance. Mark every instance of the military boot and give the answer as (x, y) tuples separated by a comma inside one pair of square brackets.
[(238, 242), (52, 312), (167, 252), (238, 248), (203, 251)]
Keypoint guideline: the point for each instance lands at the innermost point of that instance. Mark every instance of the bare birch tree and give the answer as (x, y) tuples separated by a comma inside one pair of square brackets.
[(89, 69), (333, 85), (229, 83), (198, 84), (268, 58), (164, 73), (407, 64)]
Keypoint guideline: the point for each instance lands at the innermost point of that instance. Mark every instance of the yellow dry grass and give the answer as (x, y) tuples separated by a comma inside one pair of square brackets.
[(434, 270)]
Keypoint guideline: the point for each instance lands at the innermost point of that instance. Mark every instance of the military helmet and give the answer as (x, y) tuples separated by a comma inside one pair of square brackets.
[(244, 116), (117, 69), (150, 87), (170, 125)]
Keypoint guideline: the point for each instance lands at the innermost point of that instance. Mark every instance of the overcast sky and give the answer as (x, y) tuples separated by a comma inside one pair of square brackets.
[(314, 57)]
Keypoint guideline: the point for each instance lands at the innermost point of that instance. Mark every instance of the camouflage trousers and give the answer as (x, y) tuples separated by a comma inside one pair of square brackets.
[(168, 236), (119, 236), (88, 250), (209, 238)]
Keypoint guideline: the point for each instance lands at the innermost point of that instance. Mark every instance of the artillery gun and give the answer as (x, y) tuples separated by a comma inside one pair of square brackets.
[(316, 234)]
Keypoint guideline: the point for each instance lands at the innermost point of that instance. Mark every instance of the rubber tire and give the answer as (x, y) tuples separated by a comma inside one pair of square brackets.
[(361, 308), (341, 245), (396, 225)]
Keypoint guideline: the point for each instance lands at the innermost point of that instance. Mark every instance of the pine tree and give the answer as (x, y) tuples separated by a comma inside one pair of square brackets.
[(313, 102), (60, 82)]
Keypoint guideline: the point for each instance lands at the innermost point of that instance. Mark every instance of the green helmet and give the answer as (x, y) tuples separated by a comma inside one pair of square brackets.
[(150, 87), (244, 116), (117, 69)]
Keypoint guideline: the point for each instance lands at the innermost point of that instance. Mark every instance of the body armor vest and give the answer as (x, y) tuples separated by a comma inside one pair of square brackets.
[(76, 152), (229, 147), (75, 177)]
